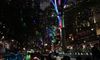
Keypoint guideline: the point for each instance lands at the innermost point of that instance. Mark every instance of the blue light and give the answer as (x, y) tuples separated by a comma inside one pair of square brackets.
[(56, 9), (52, 3), (55, 5), (65, 2), (59, 20)]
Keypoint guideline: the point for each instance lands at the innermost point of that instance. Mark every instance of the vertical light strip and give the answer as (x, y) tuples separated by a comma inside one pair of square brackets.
[(59, 21), (63, 25), (55, 6), (59, 2), (56, 9)]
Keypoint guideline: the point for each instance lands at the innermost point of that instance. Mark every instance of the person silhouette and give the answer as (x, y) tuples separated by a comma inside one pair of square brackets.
[(95, 52)]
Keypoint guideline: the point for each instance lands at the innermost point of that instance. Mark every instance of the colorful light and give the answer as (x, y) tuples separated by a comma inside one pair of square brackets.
[(54, 2), (59, 21), (28, 57), (63, 21), (59, 2)]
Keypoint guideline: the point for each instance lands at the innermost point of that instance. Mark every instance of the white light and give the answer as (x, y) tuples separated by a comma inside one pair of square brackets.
[(75, 53), (69, 37), (88, 24), (71, 47), (84, 46), (2, 37), (81, 53), (68, 47), (72, 39), (47, 50), (94, 19), (87, 54), (91, 45), (92, 29), (65, 6), (12, 40), (35, 58), (45, 44), (84, 41), (52, 15), (78, 53), (24, 49)]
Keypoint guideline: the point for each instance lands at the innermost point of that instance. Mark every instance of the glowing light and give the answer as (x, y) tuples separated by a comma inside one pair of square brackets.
[(45, 44), (3, 37), (36, 58), (92, 29), (59, 2), (84, 46), (24, 49), (28, 57), (12, 40), (63, 25), (91, 45), (72, 39), (84, 41), (78, 53), (56, 9), (94, 19), (65, 6), (75, 53), (81, 53), (60, 24), (87, 53), (68, 47), (59, 21), (71, 47), (60, 32), (55, 6), (52, 15), (69, 37)]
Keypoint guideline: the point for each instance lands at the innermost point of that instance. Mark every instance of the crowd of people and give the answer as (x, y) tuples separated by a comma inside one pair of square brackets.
[(16, 54)]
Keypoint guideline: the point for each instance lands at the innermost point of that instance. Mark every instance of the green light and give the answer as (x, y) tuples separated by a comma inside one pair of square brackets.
[(28, 57), (63, 21)]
